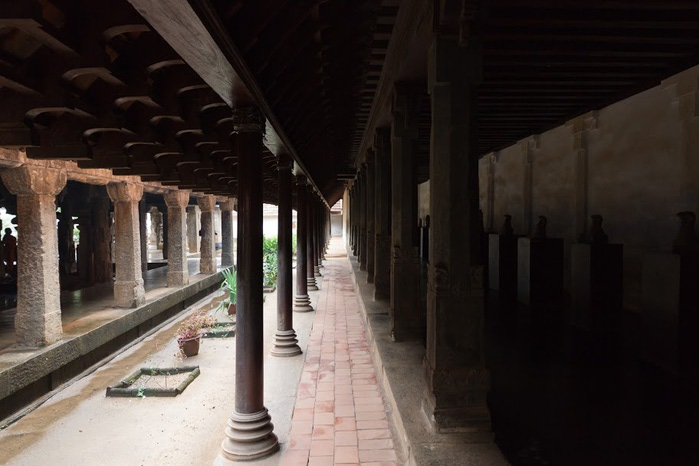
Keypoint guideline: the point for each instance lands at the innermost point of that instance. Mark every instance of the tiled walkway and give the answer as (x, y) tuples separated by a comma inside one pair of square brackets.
[(340, 416)]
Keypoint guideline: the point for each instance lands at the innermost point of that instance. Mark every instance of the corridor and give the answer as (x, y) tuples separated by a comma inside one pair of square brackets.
[(325, 404)]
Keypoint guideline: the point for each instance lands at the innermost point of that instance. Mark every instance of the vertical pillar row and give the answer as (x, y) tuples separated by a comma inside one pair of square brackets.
[(285, 342), (38, 318), (128, 287), (362, 218), (177, 270), (249, 434)]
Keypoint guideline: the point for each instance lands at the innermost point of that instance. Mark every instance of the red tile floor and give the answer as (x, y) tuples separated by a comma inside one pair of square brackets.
[(340, 416)]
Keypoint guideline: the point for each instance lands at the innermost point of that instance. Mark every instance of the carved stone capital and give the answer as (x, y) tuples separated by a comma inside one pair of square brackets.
[(178, 198), (206, 203), (227, 205), (248, 119), (122, 191), (33, 180)]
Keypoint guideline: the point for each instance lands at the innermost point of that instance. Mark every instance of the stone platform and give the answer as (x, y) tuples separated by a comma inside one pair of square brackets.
[(93, 329)]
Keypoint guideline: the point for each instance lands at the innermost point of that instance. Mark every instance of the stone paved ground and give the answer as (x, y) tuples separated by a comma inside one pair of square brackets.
[(340, 416)]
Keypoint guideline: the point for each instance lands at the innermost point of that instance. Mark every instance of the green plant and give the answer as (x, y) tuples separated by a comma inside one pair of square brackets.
[(269, 261), (229, 284)]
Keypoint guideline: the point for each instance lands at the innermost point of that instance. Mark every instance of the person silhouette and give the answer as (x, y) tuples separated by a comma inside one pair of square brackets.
[(9, 251)]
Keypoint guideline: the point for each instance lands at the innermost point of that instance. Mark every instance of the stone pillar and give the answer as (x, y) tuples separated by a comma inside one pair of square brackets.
[(457, 379), (370, 215), (311, 263), (85, 270), (407, 322), (227, 258), (128, 287), (177, 270), (38, 318), (143, 234), (354, 216), (382, 215), (165, 233), (193, 227), (302, 302), (249, 434), (285, 342), (102, 238), (207, 258)]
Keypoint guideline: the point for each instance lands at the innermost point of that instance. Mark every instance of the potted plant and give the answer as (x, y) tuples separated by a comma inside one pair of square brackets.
[(269, 263), (229, 284), (190, 331)]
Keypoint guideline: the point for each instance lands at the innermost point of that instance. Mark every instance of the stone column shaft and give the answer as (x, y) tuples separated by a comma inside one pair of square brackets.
[(143, 234), (285, 342), (38, 318), (128, 287), (227, 257), (249, 434), (193, 227), (382, 215), (407, 321), (207, 258), (457, 379), (177, 270)]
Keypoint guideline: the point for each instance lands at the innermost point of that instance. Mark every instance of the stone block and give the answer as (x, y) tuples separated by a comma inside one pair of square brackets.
[(540, 266), (502, 264), (670, 311), (597, 276)]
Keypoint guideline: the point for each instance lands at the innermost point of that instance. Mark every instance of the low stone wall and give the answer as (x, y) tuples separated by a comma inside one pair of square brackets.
[(49, 367)]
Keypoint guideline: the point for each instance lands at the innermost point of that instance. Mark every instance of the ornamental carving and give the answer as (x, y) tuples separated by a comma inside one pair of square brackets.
[(248, 119)]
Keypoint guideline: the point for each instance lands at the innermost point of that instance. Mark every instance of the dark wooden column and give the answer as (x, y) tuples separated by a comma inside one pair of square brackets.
[(302, 302), (311, 263), (285, 342), (370, 220), (362, 218), (457, 379), (249, 434), (382, 215), (315, 219), (407, 319), (353, 217)]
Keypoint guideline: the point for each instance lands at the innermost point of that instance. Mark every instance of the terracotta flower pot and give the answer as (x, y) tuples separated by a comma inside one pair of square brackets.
[(190, 347), (231, 309)]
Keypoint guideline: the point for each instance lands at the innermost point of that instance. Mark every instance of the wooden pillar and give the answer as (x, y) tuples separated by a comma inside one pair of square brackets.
[(370, 216), (407, 321), (382, 215), (457, 379), (311, 265), (285, 342), (302, 302), (249, 434)]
